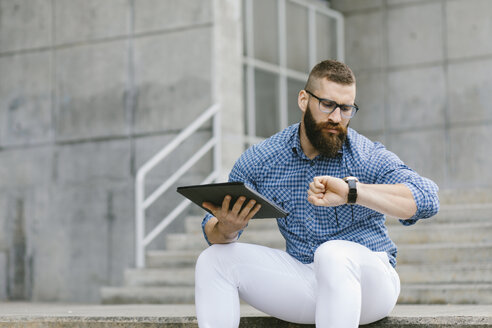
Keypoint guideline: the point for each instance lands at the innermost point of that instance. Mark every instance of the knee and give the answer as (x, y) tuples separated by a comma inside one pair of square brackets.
[(334, 253), (207, 256), (214, 263), (212, 256)]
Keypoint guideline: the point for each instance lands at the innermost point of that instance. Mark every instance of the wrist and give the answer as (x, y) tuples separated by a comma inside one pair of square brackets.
[(228, 235), (361, 189)]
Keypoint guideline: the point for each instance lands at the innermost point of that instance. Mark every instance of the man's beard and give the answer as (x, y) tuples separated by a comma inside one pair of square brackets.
[(327, 143)]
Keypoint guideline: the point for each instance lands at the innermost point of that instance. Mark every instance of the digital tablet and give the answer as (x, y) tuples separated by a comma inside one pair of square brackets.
[(214, 193)]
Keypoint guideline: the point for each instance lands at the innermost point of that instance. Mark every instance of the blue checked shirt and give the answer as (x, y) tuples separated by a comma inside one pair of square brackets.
[(278, 169)]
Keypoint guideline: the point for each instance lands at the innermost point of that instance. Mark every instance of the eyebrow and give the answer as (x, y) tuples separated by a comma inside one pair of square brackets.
[(328, 99)]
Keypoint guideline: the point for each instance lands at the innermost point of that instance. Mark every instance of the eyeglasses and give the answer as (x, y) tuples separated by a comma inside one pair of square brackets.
[(329, 106)]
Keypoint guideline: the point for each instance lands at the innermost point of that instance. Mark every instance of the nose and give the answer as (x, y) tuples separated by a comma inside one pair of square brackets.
[(335, 116)]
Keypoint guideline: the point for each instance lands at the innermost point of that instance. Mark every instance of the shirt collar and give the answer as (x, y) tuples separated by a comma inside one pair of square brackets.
[(295, 142)]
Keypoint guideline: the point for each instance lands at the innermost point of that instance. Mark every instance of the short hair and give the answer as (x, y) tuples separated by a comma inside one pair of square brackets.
[(332, 70)]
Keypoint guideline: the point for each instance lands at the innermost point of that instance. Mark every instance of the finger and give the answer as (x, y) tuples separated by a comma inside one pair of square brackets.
[(316, 186), (318, 183), (211, 207), (253, 212), (237, 206), (245, 211), (317, 194), (316, 201), (226, 203)]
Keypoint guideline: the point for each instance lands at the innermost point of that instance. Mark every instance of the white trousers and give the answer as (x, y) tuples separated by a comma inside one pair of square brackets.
[(346, 285)]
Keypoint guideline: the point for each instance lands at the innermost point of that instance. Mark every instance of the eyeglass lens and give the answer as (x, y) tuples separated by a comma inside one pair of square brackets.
[(330, 106)]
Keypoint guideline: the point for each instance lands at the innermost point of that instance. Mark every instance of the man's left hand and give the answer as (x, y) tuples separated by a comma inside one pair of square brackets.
[(327, 191)]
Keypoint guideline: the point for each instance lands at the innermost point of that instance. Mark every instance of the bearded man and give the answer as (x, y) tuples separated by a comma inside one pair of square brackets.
[(338, 186)]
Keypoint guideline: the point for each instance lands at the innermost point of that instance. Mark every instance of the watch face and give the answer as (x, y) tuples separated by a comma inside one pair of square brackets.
[(352, 194)]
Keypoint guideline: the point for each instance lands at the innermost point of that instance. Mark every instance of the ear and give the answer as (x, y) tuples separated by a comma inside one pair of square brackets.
[(302, 100)]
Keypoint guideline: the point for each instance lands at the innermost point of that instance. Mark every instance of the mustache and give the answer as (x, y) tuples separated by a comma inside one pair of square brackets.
[(329, 125)]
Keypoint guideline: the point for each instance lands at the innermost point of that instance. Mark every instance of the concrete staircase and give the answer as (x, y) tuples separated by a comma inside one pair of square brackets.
[(443, 260)]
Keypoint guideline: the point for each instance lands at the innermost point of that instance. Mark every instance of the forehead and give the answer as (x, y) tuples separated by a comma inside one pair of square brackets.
[(341, 93)]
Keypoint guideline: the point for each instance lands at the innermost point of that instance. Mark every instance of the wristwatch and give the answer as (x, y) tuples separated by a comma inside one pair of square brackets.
[(352, 184)]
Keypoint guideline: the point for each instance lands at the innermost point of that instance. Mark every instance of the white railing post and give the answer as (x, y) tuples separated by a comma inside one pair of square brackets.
[(140, 220), (142, 203), (217, 135)]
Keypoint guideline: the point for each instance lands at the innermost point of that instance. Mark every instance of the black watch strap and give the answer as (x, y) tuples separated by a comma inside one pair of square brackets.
[(352, 193)]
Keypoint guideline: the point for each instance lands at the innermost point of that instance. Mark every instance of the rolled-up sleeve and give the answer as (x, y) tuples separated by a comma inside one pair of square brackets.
[(391, 170), (424, 193)]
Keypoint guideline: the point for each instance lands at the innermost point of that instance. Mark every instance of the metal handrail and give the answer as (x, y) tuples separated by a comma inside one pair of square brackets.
[(142, 203)]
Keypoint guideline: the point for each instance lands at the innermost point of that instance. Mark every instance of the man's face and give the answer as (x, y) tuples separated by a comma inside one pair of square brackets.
[(327, 132)]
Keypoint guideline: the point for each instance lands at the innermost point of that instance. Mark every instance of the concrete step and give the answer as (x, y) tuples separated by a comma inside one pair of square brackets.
[(37, 315), (148, 295), (160, 277), (187, 241), (458, 213), (465, 196), (409, 274), (445, 253), (426, 232), (480, 212), (410, 294), (445, 294), (193, 224), (171, 259), (445, 273), (416, 234)]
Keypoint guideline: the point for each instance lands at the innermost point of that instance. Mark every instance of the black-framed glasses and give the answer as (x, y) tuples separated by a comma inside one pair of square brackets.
[(328, 106)]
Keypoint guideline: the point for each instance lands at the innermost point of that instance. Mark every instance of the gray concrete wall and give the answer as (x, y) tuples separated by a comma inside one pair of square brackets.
[(424, 72), (89, 90)]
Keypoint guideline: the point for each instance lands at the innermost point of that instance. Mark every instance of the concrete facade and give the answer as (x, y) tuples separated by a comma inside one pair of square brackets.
[(89, 90), (423, 71)]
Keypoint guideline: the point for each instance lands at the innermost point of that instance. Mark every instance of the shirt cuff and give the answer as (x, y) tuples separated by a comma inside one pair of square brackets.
[(416, 193), (426, 200), (204, 222)]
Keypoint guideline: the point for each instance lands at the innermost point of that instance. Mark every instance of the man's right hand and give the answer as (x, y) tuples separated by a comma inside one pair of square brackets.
[(229, 222)]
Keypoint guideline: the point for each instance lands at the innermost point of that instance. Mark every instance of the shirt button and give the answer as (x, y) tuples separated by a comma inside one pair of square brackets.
[(310, 219), (312, 163)]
